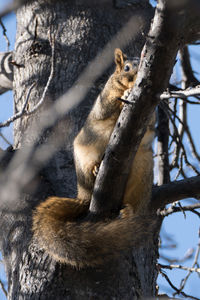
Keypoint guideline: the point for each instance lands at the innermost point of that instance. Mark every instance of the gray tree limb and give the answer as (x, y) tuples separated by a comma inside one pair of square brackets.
[(158, 58), (174, 191)]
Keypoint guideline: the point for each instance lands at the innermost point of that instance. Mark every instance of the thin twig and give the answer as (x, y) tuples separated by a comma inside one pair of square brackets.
[(183, 94), (38, 105), (170, 267), (180, 142), (195, 262), (5, 139), (175, 288), (3, 288), (173, 209), (5, 35), (185, 129), (35, 108), (19, 114)]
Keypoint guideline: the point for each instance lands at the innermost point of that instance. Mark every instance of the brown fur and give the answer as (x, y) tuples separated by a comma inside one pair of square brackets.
[(58, 223)]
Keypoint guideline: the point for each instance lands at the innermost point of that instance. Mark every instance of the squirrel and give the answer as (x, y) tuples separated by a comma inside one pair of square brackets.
[(58, 223)]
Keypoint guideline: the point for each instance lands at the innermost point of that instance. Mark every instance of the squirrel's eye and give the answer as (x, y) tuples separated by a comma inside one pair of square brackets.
[(126, 68)]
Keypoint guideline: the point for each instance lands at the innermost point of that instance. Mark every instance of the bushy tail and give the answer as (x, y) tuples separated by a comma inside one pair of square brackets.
[(69, 239)]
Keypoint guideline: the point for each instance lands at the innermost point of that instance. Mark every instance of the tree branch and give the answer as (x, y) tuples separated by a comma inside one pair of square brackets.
[(174, 191), (182, 93), (153, 76), (170, 267), (162, 147), (20, 113), (168, 211), (5, 35), (175, 288), (40, 102), (187, 73), (3, 288)]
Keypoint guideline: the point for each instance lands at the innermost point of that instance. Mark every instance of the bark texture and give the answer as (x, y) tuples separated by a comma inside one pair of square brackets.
[(80, 30)]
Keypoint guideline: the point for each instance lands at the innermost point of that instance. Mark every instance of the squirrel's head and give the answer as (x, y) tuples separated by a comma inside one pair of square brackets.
[(126, 68)]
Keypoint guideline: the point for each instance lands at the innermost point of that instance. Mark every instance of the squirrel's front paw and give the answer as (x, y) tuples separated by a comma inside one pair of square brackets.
[(126, 94), (95, 170)]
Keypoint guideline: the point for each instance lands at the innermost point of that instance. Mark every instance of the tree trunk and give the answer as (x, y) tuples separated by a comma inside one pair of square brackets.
[(80, 30)]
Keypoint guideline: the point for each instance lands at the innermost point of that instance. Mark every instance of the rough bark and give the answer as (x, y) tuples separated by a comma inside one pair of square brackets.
[(80, 32)]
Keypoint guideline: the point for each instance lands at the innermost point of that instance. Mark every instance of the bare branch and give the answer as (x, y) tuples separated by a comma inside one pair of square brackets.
[(188, 77), (170, 267), (177, 190), (41, 101), (5, 35), (181, 93), (21, 113), (195, 263), (180, 144), (3, 288), (168, 211), (186, 130), (5, 139), (175, 288)]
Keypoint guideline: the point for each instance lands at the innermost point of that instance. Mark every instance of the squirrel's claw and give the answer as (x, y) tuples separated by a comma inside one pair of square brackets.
[(95, 170)]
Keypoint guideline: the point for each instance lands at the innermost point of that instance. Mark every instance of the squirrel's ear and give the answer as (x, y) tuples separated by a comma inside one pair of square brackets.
[(120, 57)]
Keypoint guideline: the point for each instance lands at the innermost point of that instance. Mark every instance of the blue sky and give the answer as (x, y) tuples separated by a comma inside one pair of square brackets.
[(183, 230)]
